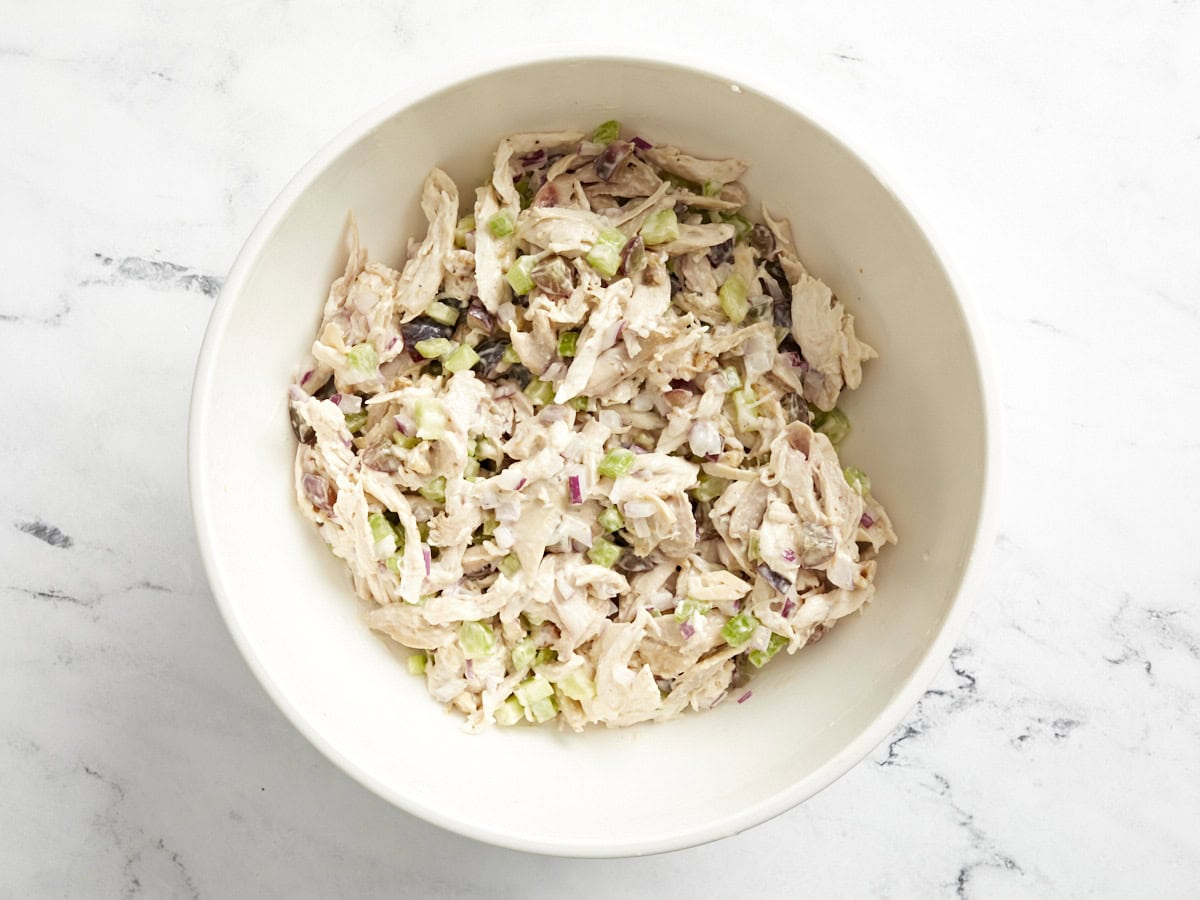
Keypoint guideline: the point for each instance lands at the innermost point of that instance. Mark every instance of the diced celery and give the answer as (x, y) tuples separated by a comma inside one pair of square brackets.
[(524, 191), (489, 523), (476, 639), (689, 607), (416, 664), (511, 356), (465, 224), (567, 342), (858, 479), (533, 689), (430, 418), (579, 403), (471, 469), (363, 361), (744, 402), (604, 553), (442, 312), (732, 378), (510, 565), (607, 132), (544, 656), (611, 519), (733, 298), (509, 712), (394, 564), (833, 424), (708, 487), (605, 255), (460, 359), (543, 710), (741, 225), (407, 441), (356, 420), (432, 348), (739, 629), (660, 228), (616, 463), (523, 654), (518, 274), (752, 548), (712, 188), (781, 334), (539, 392), (501, 223), (435, 491), (381, 528), (578, 686), (761, 657)]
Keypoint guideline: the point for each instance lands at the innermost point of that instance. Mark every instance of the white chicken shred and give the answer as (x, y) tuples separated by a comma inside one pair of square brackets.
[(581, 448)]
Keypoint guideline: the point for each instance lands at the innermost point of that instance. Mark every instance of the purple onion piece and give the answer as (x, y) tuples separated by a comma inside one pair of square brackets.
[(307, 375), (633, 256), (379, 459), (789, 554), (479, 316), (391, 343), (776, 580), (866, 521), (319, 491), (789, 607), (641, 143), (746, 696), (399, 423), (611, 157), (521, 483), (575, 490), (531, 159), (686, 629), (427, 555), (553, 276)]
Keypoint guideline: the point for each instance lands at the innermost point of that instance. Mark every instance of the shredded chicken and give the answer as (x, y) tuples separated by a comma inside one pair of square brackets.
[(581, 449)]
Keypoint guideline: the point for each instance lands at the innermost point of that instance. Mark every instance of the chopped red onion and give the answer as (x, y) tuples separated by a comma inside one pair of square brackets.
[(777, 581), (348, 403), (307, 375), (789, 607), (391, 343), (746, 696), (469, 669), (575, 490), (789, 554), (399, 423), (319, 491), (686, 629), (641, 143), (866, 521), (533, 158), (610, 158), (428, 556), (477, 313), (521, 484)]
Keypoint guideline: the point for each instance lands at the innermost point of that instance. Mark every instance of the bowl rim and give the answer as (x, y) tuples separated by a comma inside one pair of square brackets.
[(906, 694)]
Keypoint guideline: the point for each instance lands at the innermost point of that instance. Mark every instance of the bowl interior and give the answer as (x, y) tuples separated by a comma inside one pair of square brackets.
[(919, 429)]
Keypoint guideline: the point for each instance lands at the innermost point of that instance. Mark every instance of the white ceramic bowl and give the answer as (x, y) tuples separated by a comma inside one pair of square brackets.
[(923, 428)]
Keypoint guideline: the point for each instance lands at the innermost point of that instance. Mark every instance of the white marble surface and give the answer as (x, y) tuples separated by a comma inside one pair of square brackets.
[(1056, 147)]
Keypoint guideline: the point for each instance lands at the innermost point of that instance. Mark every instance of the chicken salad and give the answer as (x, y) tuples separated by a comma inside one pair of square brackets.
[(581, 448)]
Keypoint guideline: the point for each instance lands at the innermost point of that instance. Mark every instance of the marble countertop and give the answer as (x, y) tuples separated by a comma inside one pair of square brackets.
[(1055, 147)]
